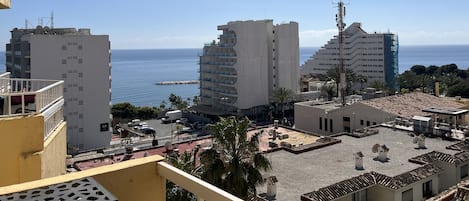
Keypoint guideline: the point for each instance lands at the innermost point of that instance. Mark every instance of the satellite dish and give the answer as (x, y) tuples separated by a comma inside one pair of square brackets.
[(374, 149)]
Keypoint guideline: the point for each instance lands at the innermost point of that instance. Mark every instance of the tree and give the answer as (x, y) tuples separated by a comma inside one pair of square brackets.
[(173, 99), (195, 100), (362, 79), (123, 110), (187, 163), (234, 162), (334, 74), (163, 105), (283, 96), (328, 91), (378, 85), (418, 69)]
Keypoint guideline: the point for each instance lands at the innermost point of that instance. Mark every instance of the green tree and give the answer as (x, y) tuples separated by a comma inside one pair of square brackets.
[(163, 105), (362, 79), (147, 112), (234, 162), (328, 91), (195, 100), (378, 85), (334, 74), (123, 110), (418, 69), (187, 163), (283, 96)]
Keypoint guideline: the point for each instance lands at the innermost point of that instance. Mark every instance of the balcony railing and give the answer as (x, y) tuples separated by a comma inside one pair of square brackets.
[(141, 179), (30, 96)]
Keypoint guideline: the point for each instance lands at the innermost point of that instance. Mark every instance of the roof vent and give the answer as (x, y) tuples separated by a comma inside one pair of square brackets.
[(382, 151), (420, 141), (358, 156)]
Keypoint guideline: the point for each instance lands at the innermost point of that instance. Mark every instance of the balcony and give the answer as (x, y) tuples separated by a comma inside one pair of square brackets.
[(29, 96), (142, 179)]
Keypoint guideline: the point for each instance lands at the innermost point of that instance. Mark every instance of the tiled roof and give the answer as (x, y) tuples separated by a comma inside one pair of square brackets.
[(430, 157), (366, 180), (410, 104)]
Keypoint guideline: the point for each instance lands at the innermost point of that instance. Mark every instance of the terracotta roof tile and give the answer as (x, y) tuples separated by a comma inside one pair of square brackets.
[(410, 104)]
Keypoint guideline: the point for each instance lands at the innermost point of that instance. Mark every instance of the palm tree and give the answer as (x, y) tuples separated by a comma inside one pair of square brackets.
[(362, 79), (334, 74), (234, 162), (187, 163), (283, 96)]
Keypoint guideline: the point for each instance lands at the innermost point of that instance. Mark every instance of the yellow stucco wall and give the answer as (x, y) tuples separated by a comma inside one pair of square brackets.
[(22, 138), (140, 182), (54, 154)]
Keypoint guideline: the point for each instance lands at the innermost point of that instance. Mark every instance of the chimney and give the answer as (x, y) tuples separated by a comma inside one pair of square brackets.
[(420, 141), (358, 156), (272, 186), (382, 151)]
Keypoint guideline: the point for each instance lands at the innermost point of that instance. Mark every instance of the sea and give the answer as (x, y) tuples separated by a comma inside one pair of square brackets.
[(136, 72)]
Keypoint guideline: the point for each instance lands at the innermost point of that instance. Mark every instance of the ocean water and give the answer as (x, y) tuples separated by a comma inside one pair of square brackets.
[(135, 72)]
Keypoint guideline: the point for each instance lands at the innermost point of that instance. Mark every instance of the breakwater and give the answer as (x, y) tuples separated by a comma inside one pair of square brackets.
[(178, 82)]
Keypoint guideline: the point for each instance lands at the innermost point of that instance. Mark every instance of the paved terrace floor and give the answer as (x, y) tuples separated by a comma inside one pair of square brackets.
[(309, 171), (295, 138)]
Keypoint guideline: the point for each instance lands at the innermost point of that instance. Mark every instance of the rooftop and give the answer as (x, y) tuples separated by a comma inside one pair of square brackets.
[(410, 104), (309, 171), (445, 110)]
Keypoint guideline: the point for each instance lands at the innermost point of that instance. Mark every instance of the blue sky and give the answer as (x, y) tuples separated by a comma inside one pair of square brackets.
[(147, 24)]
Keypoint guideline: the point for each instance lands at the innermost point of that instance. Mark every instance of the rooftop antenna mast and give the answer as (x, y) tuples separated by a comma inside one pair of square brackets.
[(52, 19), (341, 25)]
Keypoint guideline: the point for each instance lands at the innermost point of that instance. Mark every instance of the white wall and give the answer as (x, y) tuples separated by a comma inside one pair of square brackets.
[(307, 117), (253, 49), (417, 188), (86, 72), (286, 53)]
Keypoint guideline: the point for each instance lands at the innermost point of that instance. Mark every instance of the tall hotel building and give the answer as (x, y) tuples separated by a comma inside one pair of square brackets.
[(80, 59), (240, 71), (373, 55)]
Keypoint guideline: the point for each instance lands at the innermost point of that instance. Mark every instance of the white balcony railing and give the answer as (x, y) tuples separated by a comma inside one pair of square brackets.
[(31, 96)]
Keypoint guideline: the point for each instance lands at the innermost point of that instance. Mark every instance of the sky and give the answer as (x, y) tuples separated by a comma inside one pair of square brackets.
[(162, 24)]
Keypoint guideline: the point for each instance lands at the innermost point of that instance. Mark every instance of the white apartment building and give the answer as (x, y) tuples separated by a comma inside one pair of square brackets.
[(82, 60), (240, 71), (373, 55)]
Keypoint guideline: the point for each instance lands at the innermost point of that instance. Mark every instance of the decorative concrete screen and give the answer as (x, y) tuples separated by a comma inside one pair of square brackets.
[(83, 189)]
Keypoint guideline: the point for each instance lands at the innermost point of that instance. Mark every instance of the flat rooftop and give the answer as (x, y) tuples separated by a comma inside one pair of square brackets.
[(295, 138), (445, 110), (326, 106), (298, 174)]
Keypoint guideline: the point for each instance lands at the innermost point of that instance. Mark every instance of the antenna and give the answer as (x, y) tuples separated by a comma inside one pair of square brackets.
[(25, 23), (341, 25), (52, 19)]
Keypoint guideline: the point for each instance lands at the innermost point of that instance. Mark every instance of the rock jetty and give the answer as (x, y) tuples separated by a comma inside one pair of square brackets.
[(178, 82)]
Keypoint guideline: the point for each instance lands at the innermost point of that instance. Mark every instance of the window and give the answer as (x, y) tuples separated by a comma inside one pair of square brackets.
[(80, 130), (64, 61), (427, 189), (80, 102), (64, 75), (464, 172), (80, 74), (64, 47), (408, 195), (330, 124), (325, 124), (104, 127), (320, 123), (367, 123), (359, 196), (80, 61), (361, 122), (374, 123), (346, 119)]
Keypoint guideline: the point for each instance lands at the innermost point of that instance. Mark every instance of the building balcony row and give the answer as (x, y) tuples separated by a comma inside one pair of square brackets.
[(222, 73), (142, 179), (218, 63), (217, 81)]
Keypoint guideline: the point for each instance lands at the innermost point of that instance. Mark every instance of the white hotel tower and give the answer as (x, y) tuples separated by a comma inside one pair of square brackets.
[(373, 55), (82, 60), (251, 59)]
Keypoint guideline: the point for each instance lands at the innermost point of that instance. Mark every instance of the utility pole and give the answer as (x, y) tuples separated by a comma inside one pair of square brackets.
[(341, 25)]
